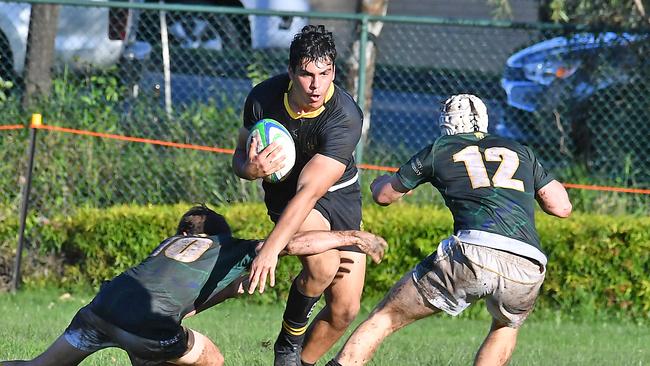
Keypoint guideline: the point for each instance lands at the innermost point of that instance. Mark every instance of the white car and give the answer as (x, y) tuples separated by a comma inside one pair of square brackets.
[(85, 38), (222, 31)]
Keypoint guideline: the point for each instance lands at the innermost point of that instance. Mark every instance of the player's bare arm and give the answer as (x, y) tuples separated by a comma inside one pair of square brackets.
[(320, 173), (314, 242), (387, 189), (233, 290), (554, 199), (251, 165)]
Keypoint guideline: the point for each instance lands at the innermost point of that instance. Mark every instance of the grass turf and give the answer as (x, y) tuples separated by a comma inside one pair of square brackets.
[(245, 332)]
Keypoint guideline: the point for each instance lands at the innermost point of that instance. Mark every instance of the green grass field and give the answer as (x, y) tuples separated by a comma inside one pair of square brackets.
[(245, 332)]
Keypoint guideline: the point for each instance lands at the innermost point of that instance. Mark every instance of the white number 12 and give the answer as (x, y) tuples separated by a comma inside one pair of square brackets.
[(477, 173)]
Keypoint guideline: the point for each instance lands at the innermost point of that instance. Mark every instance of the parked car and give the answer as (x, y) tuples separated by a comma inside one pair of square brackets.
[(87, 37), (570, 69), (226, 31), (571, 95), (215, 56)]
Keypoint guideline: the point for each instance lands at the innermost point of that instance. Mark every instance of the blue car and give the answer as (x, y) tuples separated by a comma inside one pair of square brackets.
[(569, 69)]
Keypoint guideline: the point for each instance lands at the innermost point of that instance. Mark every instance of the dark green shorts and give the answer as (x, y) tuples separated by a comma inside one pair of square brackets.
[(88, 332)]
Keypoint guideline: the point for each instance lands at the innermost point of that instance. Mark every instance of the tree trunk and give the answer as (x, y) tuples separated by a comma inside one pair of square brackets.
[(40, 51), (372, 7)]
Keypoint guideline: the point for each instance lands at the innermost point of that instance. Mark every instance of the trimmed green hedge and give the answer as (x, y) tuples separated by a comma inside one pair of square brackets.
[(597, 264)]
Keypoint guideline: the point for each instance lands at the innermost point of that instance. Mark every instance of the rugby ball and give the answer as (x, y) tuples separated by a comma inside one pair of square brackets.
[(269, 131)]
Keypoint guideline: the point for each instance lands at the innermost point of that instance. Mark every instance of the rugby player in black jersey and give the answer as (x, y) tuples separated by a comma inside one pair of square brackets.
[(321, 193), (490, 185), (141, 310)]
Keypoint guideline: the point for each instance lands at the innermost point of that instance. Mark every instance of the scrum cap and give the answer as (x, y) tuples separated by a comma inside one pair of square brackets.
[(463, 113)]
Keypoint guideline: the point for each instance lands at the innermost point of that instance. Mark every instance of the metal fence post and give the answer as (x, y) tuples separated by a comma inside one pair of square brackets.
[(35, 121), (363, 41), (164, 41)]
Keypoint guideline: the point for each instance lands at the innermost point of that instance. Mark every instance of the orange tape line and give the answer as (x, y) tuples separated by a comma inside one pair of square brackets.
[(377, 167), (231, 151), (134, 139), (605, 188), (12, 127)]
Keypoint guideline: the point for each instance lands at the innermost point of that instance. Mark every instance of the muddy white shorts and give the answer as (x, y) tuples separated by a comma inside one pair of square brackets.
[(458, 274)]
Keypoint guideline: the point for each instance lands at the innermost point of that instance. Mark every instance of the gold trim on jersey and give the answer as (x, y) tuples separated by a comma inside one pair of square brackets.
[(312, 114)]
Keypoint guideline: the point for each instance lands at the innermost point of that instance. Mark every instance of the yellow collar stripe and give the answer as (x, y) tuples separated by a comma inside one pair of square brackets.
[(312, 114)]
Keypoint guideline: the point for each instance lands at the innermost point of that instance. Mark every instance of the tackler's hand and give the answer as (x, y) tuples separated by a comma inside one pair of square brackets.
[(263, 267), (371, 244)]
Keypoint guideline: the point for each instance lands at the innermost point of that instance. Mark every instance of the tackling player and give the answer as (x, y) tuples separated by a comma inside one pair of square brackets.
[(141, 310), (490, 185)]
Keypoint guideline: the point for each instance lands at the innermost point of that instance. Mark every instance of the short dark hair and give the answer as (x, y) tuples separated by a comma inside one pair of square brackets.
[(202, 220), (313, 43)]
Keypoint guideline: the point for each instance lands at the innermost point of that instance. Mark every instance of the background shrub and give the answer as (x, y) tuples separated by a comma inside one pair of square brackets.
[(598, 265)]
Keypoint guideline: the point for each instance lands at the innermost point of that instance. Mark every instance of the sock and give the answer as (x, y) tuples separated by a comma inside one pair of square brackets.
[(301, 361), (296, 317), (333, 362)]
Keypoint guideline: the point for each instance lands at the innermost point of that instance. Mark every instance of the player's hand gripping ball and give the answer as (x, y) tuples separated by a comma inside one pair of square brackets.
[(268, 131)]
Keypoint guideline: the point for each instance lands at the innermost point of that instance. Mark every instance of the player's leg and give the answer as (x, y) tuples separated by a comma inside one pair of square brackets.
[(201, 351), (403, 305), (317, 273), (498, 345), (343, 303), (342, 208), (60, 353), (513, 299), (81, 338)]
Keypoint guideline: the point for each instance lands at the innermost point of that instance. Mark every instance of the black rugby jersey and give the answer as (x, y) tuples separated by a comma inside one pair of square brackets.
[(152, 298), (333, 131), (488, 182)]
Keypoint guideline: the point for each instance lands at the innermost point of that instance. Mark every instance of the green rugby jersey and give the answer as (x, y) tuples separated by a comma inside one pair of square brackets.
[(152, 298), (488, 183)]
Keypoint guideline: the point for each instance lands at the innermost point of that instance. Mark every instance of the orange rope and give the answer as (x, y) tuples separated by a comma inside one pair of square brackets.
[(377, 167), (605, 188), (231, 151), (11, 127), (134, 139)]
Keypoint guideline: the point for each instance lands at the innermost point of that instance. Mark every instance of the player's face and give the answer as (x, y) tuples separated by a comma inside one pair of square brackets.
[(311, 80)]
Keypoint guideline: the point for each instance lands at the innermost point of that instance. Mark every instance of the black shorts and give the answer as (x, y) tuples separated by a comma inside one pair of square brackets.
[(342, 208), (88, 332)]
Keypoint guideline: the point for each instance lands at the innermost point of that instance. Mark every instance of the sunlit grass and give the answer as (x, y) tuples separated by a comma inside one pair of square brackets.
[(245, 333)]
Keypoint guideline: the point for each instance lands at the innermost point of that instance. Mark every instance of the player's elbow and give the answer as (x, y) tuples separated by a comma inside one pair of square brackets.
[(559, 209), (238, 165), (382, 199), (554, 200), (564, 210), (385, 197)]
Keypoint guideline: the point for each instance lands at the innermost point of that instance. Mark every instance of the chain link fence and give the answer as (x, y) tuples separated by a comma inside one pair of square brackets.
[(580, 99)]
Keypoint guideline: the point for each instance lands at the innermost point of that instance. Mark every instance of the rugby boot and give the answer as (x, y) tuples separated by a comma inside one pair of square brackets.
[(286, 355)]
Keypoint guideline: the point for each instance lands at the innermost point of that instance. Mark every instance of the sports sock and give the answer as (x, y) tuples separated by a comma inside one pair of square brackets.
[(296, 317), (301, 361)]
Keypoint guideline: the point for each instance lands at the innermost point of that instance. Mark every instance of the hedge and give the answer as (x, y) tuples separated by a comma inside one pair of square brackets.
[(597, 264)]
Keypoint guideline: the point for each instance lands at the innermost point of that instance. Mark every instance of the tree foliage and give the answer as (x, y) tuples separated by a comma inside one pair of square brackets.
[(616, 13)]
